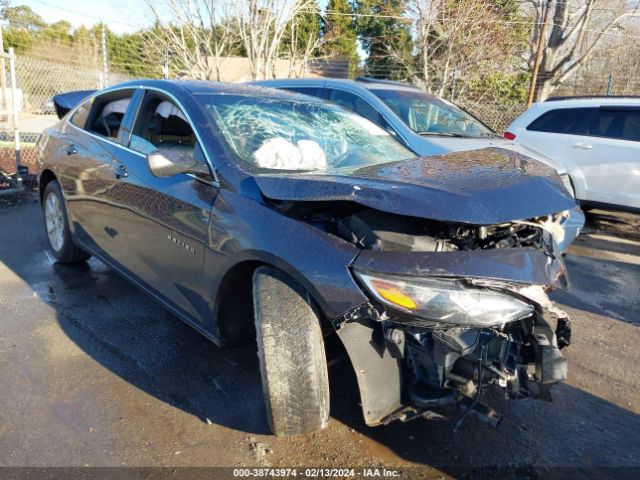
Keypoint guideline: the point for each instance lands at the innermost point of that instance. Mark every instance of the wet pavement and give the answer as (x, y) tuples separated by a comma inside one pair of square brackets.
[(93, 372)]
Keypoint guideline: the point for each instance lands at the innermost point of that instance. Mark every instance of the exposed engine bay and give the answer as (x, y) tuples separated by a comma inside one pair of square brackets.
[(374, 230), (443, 362), (447, 366)]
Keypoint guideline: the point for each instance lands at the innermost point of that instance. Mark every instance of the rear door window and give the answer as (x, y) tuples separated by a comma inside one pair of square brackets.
[(79, 117), (618, 123), (108, 112), (570, 121)]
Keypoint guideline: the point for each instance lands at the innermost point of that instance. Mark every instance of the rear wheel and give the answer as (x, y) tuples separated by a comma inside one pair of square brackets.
[(57, 226), (291, 351)]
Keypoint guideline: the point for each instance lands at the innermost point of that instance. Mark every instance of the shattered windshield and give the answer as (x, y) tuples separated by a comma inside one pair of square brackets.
[(427, 115), (276, 133)]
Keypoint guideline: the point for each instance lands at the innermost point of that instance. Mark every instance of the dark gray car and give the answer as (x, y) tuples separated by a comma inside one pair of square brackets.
[(256, 214)]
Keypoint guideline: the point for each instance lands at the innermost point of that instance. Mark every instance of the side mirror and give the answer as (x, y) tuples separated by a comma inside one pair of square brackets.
[(167, 163)]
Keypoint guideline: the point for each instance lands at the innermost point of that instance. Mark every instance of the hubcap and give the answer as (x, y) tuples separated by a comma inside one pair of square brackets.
[(54, 221)]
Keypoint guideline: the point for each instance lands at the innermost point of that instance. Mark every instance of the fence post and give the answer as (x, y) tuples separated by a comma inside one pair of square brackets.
[(609, 85), (14, 110), (3, 80), (105, 64)]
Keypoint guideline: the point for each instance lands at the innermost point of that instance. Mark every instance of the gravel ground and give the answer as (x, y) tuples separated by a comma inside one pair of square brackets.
[(94, 373)]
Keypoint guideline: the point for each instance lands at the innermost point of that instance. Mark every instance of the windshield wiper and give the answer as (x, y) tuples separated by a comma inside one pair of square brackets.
[(460, 135)]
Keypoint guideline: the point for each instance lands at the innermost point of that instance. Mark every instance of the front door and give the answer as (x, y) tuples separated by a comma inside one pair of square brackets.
[(164, 220)]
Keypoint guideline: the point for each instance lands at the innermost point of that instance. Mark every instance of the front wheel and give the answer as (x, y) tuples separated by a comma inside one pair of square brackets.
[(293, 364), (57, 226)]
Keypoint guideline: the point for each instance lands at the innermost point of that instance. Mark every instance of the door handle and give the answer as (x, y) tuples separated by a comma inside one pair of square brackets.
[(586, 146), (120, 170), (71, 149)]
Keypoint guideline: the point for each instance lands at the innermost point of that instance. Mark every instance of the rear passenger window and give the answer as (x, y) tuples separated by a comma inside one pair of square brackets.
[(566, 120), (356, 104), (108, 112), (616, 123)]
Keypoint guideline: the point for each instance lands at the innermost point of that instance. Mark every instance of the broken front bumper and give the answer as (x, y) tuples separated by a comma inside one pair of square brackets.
[(412, 368)]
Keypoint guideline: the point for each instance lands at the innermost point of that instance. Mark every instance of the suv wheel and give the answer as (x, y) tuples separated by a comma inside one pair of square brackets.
[(291, 351)]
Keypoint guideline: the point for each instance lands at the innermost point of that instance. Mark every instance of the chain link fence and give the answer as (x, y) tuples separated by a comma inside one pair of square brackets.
[(497, 116), (37, 82)]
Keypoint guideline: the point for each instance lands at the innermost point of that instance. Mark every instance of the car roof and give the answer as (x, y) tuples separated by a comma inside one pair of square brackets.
[(566, 102), (362, 82), (203, 86)]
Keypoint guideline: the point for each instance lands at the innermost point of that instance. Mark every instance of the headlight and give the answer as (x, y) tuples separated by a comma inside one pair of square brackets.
[(566, 181), (446, 301)]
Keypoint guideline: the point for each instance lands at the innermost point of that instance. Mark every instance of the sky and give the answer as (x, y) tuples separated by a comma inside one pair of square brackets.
[(119, 15), (122, 16)]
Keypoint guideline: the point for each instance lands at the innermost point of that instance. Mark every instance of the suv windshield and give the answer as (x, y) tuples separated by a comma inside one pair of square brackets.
[(427, 115), (279, 133)]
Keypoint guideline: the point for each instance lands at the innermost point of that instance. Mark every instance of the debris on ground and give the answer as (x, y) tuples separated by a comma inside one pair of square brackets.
[(18, 198), (260, 450)]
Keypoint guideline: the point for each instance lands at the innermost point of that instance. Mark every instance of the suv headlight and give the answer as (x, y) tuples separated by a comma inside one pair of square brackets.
[(446, 301)]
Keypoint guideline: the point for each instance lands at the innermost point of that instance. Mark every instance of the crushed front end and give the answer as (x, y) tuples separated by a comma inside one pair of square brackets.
[(458, 316), (495, 336)]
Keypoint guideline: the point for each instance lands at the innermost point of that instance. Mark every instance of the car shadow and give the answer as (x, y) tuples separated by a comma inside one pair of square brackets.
[(602, 286), (137, 340), (578, 435), (142, 343)]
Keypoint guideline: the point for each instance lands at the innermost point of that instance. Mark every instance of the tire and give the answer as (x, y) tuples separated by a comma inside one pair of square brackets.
[(56, 226), (293, 364)]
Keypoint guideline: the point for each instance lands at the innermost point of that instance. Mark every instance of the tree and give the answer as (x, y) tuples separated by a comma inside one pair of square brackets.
[(20, 25), (302, 39), (386, 37), (262, 25), (459, 42), (196, 39), (578, 28), (339, 34)]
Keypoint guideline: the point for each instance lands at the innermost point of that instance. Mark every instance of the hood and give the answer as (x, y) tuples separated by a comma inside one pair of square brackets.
[(439, 145), (435, 145), (479, 187)]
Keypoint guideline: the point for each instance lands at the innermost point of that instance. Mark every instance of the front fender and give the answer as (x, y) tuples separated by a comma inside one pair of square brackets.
[(379, 374)]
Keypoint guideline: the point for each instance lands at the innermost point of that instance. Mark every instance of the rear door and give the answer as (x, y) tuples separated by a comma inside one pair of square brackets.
[(90, 141), (609, 156), (560, 135), (163, 221)]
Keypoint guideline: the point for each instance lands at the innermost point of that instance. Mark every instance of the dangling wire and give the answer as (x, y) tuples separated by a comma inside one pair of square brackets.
[(478, 391)]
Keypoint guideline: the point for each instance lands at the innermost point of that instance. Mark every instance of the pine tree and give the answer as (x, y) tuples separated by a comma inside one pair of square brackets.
[(386, 37), (339, 35)]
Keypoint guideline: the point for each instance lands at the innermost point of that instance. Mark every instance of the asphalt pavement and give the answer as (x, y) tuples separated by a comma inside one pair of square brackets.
[(95, 373)]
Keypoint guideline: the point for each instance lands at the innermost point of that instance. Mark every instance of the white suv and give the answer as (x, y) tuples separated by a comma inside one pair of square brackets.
[(595, 140)]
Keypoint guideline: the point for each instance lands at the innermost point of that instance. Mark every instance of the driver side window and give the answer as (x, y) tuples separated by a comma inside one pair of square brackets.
[(162, 126)]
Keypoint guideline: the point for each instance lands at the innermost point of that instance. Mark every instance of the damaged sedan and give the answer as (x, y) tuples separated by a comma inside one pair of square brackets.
[(267, 216)]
